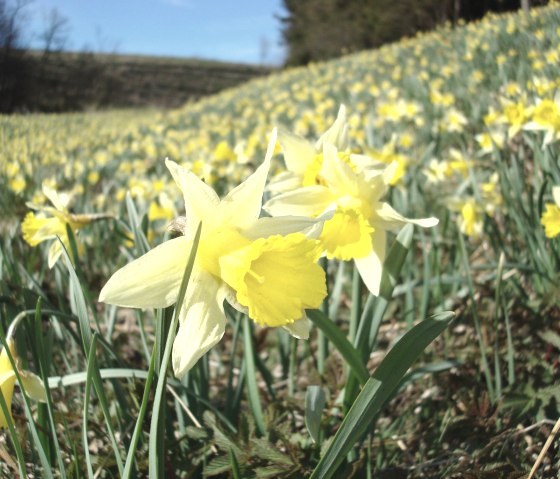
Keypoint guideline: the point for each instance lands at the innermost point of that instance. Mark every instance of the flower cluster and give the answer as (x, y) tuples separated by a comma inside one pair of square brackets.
[(328, 202)]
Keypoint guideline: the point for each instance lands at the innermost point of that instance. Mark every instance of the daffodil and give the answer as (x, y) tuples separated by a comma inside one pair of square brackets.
[(32, 384), (550, 219), (360, 222), (51, 222), (546, 117), (388, 155), (304, 159), (265, 267)]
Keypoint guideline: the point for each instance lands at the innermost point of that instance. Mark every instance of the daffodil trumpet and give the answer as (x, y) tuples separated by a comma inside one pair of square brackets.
[(265, 267), (31, 384)]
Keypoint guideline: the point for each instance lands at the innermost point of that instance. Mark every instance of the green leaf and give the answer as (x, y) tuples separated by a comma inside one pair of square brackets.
[(251, 378), (234, 465), (378, 390), (128, 467), (43, 366), (79, 302), (375, 307), (314, 405), (344, 347), (91, 367)]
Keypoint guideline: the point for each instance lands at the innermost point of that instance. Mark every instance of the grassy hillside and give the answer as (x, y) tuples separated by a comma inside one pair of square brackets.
[(64, 81), (469, 118)]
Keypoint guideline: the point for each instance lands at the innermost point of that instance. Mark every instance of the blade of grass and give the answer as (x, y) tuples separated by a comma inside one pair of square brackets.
[(474, 311), (156, 462), (129, 463), (91, 366), (251, 378), (81, 311), (43, 368)]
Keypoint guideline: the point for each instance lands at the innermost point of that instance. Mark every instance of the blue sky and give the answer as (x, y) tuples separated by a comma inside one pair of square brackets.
[(240, 31)]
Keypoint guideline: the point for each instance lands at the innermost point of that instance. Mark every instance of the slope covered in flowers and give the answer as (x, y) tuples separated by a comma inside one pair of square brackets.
[(444, 105), (469, 119)]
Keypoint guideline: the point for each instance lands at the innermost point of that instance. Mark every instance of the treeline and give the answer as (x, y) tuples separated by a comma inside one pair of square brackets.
[(321, 29)]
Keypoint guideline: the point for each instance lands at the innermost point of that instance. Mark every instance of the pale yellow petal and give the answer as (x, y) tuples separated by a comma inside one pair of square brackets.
[(371, 267), (33, 386), (338, 175), (202, 322), (337, 134), (201, 200), (54, 253), (285, 225), (53, 197), (386, 217), (299, 329), (151, 281), (308, 201), (298, 152), (285, 181), (242, 205), (556, 195)]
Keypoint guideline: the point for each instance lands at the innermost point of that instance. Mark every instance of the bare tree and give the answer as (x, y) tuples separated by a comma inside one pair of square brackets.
[(55, 34), (525, 5), (11, 18)]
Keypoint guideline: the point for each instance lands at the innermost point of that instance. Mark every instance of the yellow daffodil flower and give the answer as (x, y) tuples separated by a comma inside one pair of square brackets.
[(546, 117), (32, 384), (162, 208), (358, 228), (550, 219), (388, 155), (470, 220), (304, 159), (263, 266), (51, 222)]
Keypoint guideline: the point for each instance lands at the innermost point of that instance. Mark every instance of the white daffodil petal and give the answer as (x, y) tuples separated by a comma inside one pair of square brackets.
[(371, 266), (282, 225), (285, 181), (202, 322), (53, 197), (556, 195), (243, 204), (299, 329), (33, 386), (151, 281), (338, 175), (307, 201), (388, 218), (337, 134), (298, 152), (54, 253), (201, 200), (364, 162)]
